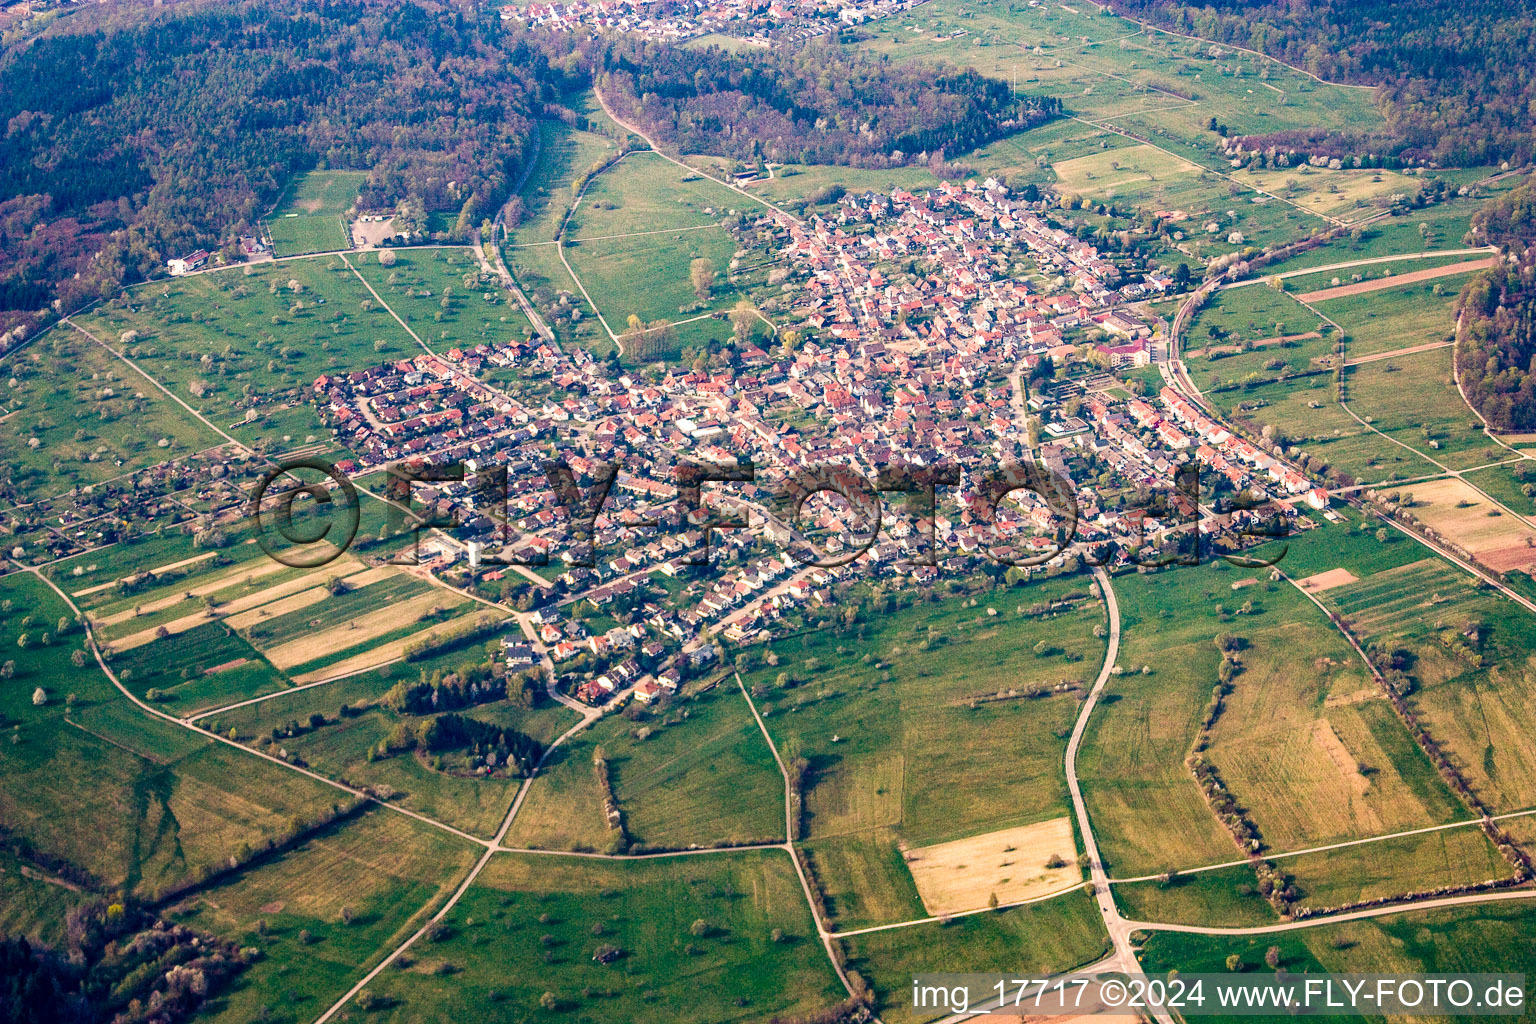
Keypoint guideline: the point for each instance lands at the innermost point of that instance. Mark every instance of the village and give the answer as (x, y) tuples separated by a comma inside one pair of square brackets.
[(759, 21), (951, 362)]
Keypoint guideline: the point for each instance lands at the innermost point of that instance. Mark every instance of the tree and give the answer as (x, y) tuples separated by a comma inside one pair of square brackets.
[(743, 319), (39, 697), (1234, 963), (1272, 957), (701, 274)]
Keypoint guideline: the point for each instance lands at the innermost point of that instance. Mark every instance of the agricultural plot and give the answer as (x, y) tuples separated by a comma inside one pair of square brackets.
[(532, 925), (1413, 400), (1395, 318), (134, 803), (325, 910), (1507, 484), (310, 215), (202, 667), (648, 276), (98, 422), (1482, 938), (1396, 867), (1465, 516), (864, 878), (1044, 938), (1387, 273), (1315, 756), (444, 297), (1346, 195), (1008, 866), (1246, 335), (1229, 895), (1305, 412), (244, 347), (697, 772), (1449, 274), (1441, 226), (647, 192), (344, 746), (1148, 813), (1127, 173), (935, 729), (1463, 647)]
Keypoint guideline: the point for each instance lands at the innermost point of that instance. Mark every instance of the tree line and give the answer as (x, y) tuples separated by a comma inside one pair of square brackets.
[(1496, 316), (813, 104)]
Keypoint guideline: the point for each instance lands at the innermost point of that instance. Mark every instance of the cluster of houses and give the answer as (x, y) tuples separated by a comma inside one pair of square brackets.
[(675, 20), (963, 238), (1184, 431)]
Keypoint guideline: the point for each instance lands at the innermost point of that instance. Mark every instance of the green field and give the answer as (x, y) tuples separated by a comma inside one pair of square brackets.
[(99, 421), (865, 879), (530, 925), (697, 773), (1148, 814), (1055, 936), (445, 298), (340, 748), (325, 910), (243, 346), (310, 215), (1229, 895), (1486, 938), (899, 736)]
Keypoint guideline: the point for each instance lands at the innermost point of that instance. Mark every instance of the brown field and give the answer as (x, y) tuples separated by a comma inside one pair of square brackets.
[(1322, 581), (358, 630), (1460, 512), (211, 585), (376, 656), (1010, 863), (1328, 741), (281, 606), (1413, 276), (1411, 350)]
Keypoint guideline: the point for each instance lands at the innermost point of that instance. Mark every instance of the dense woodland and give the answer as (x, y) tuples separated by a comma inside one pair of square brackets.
[(817, 104), (135, 133), (144, 133), (1455, 75), (1496, 346)]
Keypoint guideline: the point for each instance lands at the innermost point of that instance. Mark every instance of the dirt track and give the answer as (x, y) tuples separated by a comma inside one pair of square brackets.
[(1376, 285)]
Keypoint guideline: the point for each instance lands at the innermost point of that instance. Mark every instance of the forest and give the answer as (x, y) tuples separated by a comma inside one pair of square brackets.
[(1496, 340), (815, 104), (1454, 77), (135, 134)]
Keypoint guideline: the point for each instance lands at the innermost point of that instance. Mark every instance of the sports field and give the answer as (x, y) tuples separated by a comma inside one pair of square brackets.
[(310, 215)]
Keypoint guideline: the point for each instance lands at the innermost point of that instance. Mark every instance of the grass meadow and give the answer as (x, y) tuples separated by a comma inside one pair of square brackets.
[(325, 910), (530, 926), (904, 736), (1054, 936)]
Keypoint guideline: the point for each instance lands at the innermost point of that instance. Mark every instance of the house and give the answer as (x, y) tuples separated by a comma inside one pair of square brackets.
[(188, 263)]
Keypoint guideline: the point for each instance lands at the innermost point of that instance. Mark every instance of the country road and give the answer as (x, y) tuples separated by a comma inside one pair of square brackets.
[(1124, 956)]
